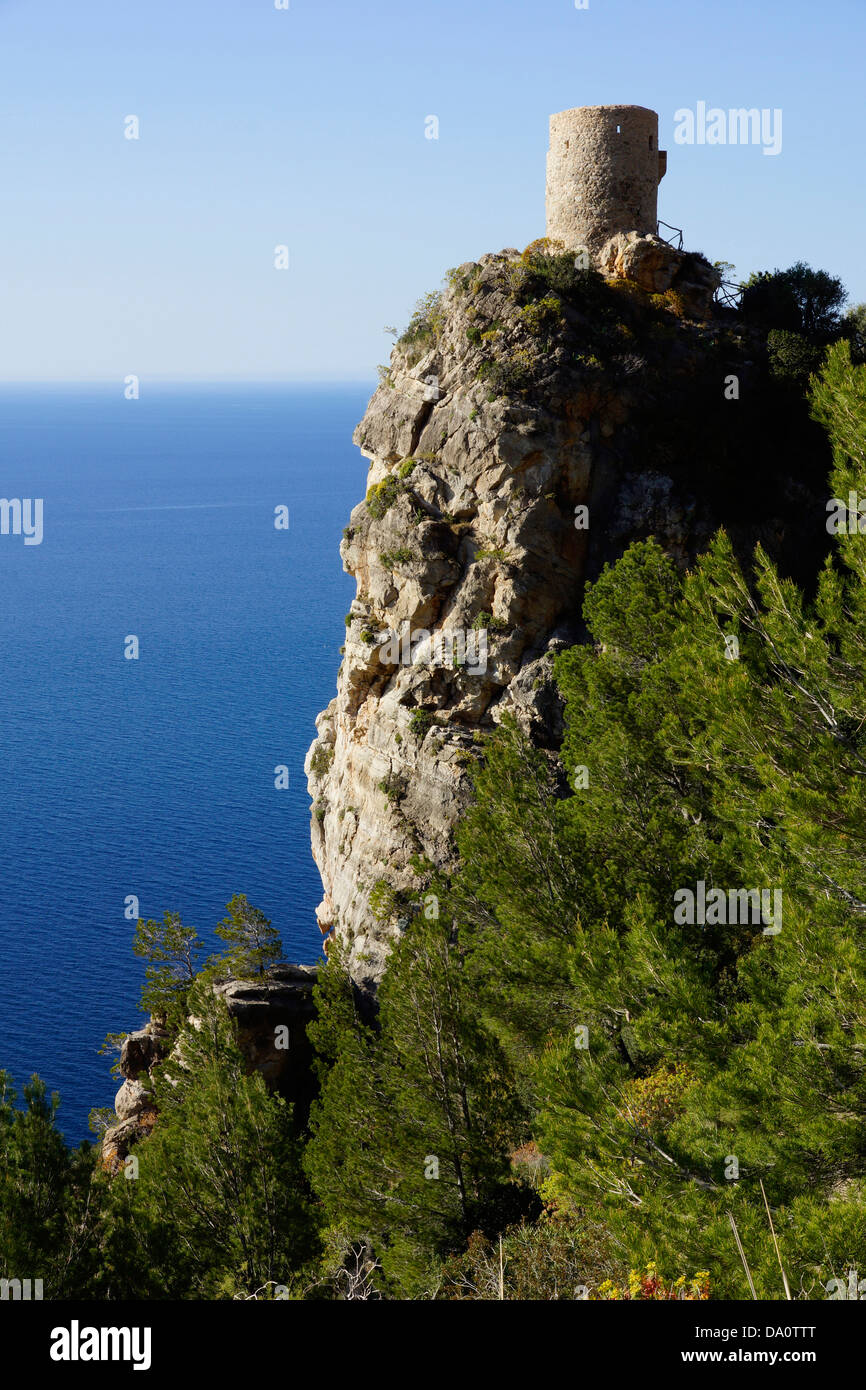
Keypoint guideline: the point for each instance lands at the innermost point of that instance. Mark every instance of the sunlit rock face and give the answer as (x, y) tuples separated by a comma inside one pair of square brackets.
[(517, 443)]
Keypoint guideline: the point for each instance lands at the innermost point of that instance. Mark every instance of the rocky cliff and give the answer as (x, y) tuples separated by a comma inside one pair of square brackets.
[(271, 1016), (536, 418)]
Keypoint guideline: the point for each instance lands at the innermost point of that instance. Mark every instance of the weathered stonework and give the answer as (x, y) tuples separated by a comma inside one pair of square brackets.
[(603, 171)]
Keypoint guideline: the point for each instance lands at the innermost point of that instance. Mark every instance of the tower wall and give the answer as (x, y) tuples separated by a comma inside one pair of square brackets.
[(603, 171)]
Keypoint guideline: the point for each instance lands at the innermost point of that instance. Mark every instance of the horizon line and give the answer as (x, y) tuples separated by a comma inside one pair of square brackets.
[(192, 381)]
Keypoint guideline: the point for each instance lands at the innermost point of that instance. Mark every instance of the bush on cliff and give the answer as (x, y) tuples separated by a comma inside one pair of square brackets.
[(219, 1208), (423, 328), (799, 300), (382, 495), (253, 945), (792, 357), (173, 953), (410, 1135), (47, 1222)]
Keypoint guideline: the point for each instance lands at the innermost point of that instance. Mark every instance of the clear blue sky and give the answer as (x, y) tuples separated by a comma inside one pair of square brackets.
[(306, 127)]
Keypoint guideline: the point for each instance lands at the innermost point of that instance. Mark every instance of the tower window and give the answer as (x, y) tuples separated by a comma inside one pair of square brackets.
[(619, 130), (651, 142)]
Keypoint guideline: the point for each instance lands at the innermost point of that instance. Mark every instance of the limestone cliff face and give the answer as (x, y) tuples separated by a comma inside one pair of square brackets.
[(510, 404)]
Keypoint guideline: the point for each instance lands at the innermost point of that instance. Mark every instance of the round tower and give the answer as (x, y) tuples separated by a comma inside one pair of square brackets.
[(603, 171)]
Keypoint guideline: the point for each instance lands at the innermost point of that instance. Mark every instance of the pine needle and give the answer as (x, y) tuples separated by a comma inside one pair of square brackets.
[(775, 1242), (742, 1254)]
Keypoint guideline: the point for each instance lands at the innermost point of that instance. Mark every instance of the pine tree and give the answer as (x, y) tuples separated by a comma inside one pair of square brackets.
[(253, 944), (416, 1116), (47, 1216), (715, 733), (744, 1066), (173, 952), (517, 894), (220, 1207)]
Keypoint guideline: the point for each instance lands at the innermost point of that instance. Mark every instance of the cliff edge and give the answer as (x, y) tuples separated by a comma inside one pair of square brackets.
[(537, 417)]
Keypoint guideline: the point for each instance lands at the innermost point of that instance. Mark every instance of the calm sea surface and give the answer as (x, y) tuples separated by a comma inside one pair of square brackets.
[(155, 777)]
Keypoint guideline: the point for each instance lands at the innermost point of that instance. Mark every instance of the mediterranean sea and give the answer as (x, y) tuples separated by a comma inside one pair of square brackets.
[(155, 777)]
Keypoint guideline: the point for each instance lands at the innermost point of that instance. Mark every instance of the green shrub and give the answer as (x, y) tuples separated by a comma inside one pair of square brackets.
[(854, 329), (391, 559), (486, 620), (381, 496), (545, 266), (510, 376), (462, 280), (420, 721), (537, 1261), (799, 300), (383, 900), (791, 356), (542, 315), (670, 301), (629, 290), (392, 786), (424, 327), (321, 760)]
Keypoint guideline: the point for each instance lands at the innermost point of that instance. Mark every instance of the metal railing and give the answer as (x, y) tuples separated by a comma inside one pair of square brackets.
[(668, 239), (728, 293)]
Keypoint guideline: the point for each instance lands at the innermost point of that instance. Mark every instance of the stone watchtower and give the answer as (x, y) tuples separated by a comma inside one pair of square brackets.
[(604, 167)]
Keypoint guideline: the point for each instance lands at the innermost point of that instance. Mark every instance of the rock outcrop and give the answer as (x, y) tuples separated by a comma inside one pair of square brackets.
[(656, 267), (134, 1104), (534, 421), (271, 1017)]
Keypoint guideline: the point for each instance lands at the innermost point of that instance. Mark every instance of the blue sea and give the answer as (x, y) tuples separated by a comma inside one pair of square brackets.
[(155, 777)]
